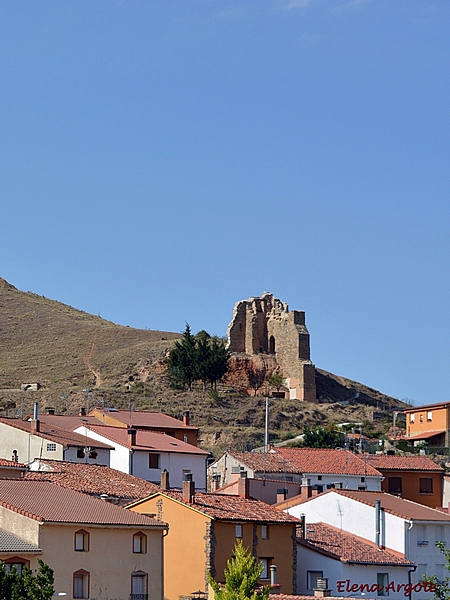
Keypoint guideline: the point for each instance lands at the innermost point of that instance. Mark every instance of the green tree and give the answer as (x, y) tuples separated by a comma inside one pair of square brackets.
[(26, 586), (183, 367), (323, 437), (256, 376), (219, 361), (276, 380), (242, 575)]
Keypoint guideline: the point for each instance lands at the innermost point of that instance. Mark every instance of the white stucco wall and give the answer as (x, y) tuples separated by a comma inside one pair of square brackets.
[(102, 458), (28, 445), (337, 571)]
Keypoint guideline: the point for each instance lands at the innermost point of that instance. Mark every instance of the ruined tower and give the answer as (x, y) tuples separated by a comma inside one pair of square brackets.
[(265, 325)]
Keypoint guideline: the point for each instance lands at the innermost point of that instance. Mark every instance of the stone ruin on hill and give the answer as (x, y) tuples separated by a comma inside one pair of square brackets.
[(266, 326)]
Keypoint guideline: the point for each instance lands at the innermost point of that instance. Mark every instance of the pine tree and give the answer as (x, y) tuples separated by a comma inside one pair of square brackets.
[(242, 575), (183, 366)]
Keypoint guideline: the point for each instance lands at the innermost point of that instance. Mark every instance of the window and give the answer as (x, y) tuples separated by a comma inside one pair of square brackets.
[(81, 584), (312, 577), (425, 485), (421, 418), (363, 479), (80, 453), (139, 586), (429, 415), (264, 532), (289, 478), (139, 543), (51, 447), (383, 582), (412, 418), (265, 565), (185, 438), (153, 461), (81, 541), (395, 485), (239, 531), (319, 477), (15, 563)]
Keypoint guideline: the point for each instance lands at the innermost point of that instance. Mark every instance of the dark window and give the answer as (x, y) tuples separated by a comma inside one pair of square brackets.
[(153, 461), (395, 485), (383, 582), (80, 453), (425, 485)]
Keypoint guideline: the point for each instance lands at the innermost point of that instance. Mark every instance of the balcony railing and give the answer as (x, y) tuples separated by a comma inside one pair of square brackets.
[(138, 596)]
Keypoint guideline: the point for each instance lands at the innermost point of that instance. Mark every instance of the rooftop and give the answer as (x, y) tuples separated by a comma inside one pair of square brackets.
[(95, 480), (10, 543), (226, 507), (269, 462), (141, 418), (403, 463), (53, 433), (46, 502), (146, 440), (328, 461), (12, 464), (348, 548)]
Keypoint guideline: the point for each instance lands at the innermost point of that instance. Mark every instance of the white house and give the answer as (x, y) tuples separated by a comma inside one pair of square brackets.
[(23, 441), (349, 564), (146, 454), (387, 521)]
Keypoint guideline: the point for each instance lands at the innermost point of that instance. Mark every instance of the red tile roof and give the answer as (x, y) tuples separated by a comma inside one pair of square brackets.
[(226, 507), (406, 509), (46, 502), (11, 464), (426, 407), (348, 548), (142, 418), (93, 479), (424, 435), (403, 463), (146, 440), (53, 433), (269, 462), (328, 461)]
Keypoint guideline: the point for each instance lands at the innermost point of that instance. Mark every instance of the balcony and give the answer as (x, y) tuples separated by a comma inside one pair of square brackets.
[(138, 596)]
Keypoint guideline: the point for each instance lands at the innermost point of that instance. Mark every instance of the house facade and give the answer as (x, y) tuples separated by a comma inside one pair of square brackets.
[(146, 454), (387, 521), (429, 424), (205, 528), (80, 538)]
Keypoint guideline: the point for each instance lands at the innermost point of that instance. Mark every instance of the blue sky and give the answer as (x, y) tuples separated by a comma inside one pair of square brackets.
[(161, 160)]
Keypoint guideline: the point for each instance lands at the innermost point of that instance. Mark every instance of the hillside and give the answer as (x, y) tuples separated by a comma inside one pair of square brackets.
[(82, 360)]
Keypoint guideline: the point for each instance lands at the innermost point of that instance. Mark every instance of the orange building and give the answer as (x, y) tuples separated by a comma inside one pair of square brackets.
[(415, 478), (203, 529), (429, 423)]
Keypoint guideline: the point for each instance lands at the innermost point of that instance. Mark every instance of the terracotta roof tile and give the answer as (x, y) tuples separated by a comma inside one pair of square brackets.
[(234, 508), (424, 435), (142, 418), (11, 543), (92, 479), (54, 433), (328, 461), (401, 463), (348, 548), (44, 501), (11, 463), (406, 509), (146, 440), (269, 462)]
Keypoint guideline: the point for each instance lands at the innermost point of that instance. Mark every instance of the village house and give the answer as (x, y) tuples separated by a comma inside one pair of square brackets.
[(205, 527), (10, 469), (291, 469), (26, 440), (147, 454), (415, 478), (429, 424), (96, 549), (354, 565), (389, 522), (98, 481)]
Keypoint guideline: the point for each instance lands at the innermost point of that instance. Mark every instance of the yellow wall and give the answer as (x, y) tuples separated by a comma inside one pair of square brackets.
[(185, 547)]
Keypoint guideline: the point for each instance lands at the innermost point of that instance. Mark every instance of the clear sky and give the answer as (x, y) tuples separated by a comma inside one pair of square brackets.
[(162, 159)]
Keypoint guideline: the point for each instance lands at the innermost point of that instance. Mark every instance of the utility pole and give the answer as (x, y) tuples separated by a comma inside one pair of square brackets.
[(266, 431)]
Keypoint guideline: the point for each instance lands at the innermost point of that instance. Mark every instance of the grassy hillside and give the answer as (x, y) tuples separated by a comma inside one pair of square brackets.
[(83, 360)]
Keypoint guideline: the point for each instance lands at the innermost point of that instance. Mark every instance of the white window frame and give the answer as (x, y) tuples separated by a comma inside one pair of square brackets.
[(312, 577), (239, 531), (264, 532), (51, 447)]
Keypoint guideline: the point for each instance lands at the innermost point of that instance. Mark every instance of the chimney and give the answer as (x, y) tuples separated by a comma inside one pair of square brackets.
[(50, 410), (275, 588), (131, 436), (186, 418), (314, 491), (305, 488), (322, 591), (82, 412), (243, 485), (281, 494), (35, 425), (165, 480), (188, 489)]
